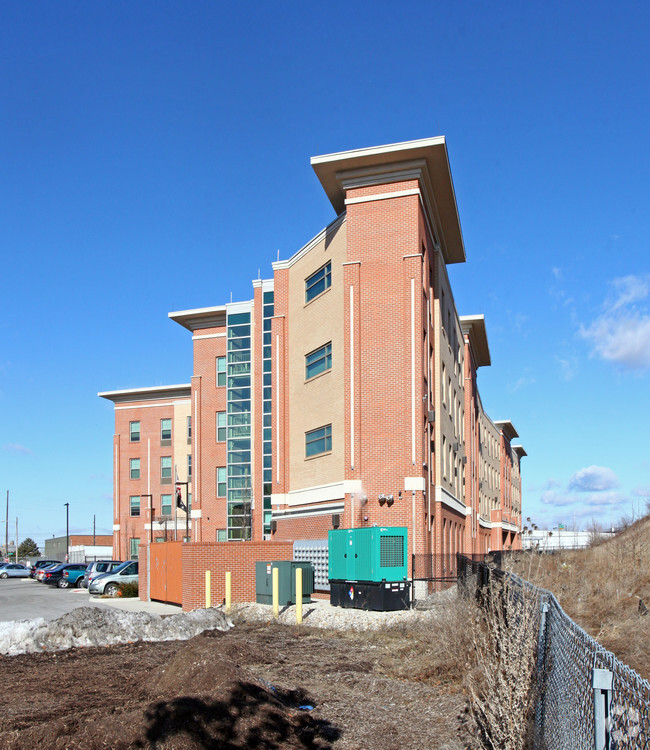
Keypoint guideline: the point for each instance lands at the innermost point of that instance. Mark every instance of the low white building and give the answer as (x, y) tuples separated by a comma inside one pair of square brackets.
[(81, 553), (547, 541)]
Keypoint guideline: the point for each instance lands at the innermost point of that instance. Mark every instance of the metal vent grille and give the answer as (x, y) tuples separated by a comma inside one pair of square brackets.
[(391, 551), (314, 551)]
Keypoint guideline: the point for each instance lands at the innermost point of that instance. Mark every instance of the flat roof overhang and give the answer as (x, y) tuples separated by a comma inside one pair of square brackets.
[(507, 428), (151, 393), (519, 450), (439, 198), (474, 326), (201, 317)]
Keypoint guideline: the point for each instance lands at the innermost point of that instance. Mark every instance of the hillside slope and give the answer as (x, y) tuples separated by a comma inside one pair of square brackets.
[(605, 589)]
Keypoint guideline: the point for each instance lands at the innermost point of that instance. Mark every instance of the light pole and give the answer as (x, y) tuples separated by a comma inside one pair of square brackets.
[(183, 506), (150, 517), (67, 532)]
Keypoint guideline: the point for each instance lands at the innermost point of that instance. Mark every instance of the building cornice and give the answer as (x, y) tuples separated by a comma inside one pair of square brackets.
[(506, 427), (152, 393), (473, 326), (426, 160), (201, 317)]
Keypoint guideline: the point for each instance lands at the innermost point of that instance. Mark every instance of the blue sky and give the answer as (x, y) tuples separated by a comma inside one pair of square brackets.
[(155, 155)]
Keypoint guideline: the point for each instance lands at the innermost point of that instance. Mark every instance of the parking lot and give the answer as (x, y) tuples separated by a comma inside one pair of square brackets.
[(26, 599)]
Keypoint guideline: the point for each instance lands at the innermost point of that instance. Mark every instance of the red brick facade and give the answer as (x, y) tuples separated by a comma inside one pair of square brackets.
[(396, 408), (221, 557)]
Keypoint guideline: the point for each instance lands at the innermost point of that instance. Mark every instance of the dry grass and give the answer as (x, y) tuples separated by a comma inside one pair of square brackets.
[(601, 587), (502, 686)]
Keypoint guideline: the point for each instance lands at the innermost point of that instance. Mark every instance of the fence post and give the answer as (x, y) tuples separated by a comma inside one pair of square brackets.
[(602, 681), (541, 660), (208, 590)]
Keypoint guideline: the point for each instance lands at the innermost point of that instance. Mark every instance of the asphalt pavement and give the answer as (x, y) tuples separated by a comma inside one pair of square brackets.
[(27, 599)]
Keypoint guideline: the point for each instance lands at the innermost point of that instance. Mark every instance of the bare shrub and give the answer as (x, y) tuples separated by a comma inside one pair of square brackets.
[(437, 649), (502, 686)]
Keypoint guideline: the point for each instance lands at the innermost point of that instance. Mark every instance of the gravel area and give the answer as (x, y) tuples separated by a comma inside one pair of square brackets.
[(320, 614)]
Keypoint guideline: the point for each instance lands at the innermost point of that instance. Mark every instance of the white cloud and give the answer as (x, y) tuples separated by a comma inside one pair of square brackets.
[(629, 289), (569, 367), (586, 503), (522, 382), (622, 339), (552, 497), (621, 333), (641, 492), (593, 479), (17, 448), (557, 272)]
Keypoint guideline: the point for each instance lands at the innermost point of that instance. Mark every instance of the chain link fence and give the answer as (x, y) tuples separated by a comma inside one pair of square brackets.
[(587, 698)]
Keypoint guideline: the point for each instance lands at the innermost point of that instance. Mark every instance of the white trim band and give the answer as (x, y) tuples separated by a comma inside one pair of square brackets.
[(382, 196), (308, 511), (452, 502), (318, 493), (149, 406)]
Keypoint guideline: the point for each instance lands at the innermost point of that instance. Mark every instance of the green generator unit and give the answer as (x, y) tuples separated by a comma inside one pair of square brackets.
[(368, 568), (370, 554), (286, 581)]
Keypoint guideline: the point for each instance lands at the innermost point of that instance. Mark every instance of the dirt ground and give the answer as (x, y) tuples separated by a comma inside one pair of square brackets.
[(255, 686)]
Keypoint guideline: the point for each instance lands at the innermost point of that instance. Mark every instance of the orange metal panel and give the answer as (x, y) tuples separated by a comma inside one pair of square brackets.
[(174, 572), (166, 572)]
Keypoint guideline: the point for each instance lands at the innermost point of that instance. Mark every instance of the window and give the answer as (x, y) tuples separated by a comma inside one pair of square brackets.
[(166, 469), (318, 361), (318, 441), (134, 432), (221, 427), (189, 467), (221, 371), (165, 430), (221, 481), (135, 505), (189, 429), (318, 282), (166, 505), (222, 535), (134, 545), (134, 468), (443, 385)]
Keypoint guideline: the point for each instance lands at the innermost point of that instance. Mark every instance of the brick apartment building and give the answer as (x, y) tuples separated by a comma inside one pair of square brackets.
[(343, 394), (151, 450)]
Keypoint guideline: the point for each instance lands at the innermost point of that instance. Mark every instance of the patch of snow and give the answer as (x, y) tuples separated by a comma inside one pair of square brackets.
[(92, 626)]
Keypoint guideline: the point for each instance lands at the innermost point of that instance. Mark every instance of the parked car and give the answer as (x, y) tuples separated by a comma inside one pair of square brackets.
[(14, 570), (40, 573), (109, 583), (98, 568), (55, 574), (38, 564), (72, 577)]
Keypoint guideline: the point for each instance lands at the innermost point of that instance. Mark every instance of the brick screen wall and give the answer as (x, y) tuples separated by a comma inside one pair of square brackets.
[(219, 557)]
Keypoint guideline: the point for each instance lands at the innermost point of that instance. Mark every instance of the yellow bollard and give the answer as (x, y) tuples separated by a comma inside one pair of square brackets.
[(228, 591), (299, 596), (276, 593), (208, 590)]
